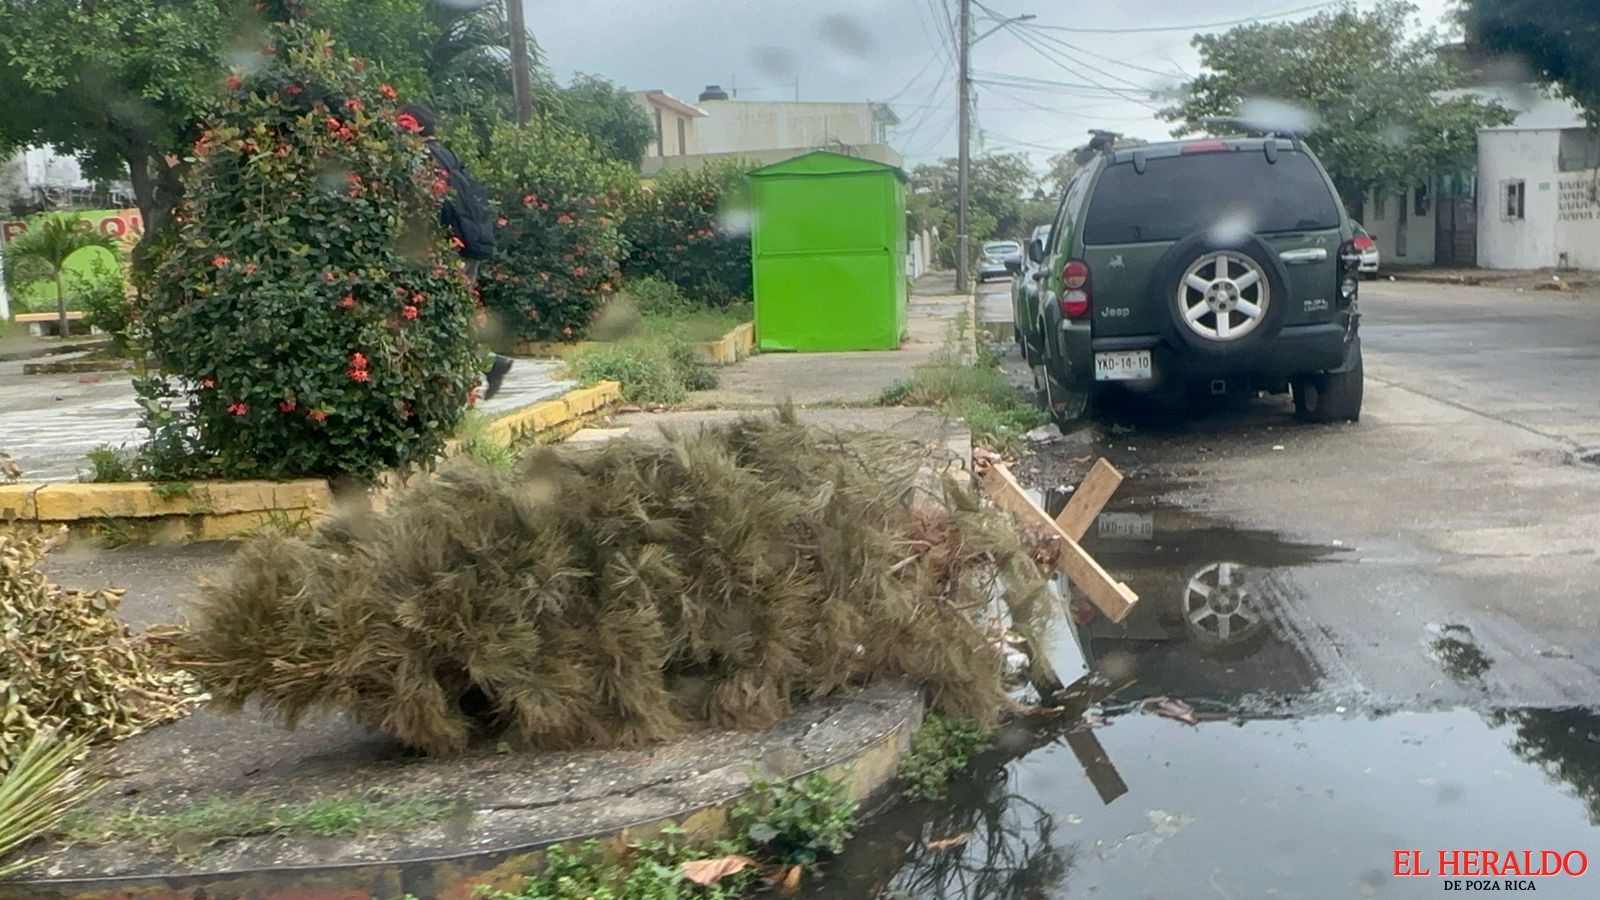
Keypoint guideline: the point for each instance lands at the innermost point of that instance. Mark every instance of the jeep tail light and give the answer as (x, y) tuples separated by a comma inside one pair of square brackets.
[(1075, 285), (1362, 243)]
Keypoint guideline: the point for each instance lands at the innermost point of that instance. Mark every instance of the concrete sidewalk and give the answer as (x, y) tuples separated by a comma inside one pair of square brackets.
[(843, 379), (49, 422)]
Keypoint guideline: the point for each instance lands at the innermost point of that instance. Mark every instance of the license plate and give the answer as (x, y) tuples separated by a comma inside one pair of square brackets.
[(1123, 365), (1125, 526)]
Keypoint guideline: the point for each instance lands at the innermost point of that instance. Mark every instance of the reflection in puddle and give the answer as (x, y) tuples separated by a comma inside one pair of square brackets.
[(1313, 807), (1457, 651)]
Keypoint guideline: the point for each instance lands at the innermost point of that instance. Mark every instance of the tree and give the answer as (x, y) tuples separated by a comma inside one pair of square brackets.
[(1364, 91), (307, 306), (608, 117), (1559, 39), (556, 259), (998, 185), (125, 86), (1063, 168), (42, 251)]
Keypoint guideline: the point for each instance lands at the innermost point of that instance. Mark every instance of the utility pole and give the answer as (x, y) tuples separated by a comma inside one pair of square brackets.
[(964, 138), (521, 78), (964, 42)]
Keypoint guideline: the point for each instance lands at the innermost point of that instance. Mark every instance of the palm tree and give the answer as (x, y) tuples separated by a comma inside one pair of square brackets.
[(42, 252)]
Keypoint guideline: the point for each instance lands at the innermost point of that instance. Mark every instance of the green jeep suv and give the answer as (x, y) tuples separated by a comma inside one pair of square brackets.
[(1220, 265)]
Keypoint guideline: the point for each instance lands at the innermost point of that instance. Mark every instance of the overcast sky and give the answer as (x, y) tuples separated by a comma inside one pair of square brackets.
[(891, 50)]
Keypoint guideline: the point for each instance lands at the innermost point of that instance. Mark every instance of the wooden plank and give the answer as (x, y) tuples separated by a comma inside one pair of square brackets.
[(1113, 598), (1084, 507), (1097, 765)]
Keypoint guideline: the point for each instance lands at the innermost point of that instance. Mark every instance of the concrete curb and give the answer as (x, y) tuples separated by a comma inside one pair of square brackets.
[(867, 771), (77, 366), (235, 510), (730, 348)]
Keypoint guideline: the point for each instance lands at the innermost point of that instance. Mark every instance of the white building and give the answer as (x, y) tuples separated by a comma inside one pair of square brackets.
[(1539, 191), (760, 131), (674, 121)]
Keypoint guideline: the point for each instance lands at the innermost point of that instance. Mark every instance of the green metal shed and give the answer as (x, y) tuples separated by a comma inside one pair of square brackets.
[(829, 253)]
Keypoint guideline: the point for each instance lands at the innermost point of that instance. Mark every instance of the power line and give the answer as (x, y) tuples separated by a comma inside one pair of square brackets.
[(1032, 43), (1193, 28), (1023, 82), (1054, 39)]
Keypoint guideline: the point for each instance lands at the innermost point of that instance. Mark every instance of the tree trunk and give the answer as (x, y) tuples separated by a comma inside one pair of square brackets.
[(155, 192), (61, 301)]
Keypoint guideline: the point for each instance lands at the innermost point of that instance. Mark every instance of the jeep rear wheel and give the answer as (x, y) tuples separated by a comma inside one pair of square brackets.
[(1332, 396)]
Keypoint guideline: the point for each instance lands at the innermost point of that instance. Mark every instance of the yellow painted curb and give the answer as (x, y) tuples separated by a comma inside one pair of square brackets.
[(730, 348), (552, 420)]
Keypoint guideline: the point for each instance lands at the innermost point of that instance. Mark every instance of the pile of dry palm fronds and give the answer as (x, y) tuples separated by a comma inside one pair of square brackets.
[(613, 596), (67, 662)]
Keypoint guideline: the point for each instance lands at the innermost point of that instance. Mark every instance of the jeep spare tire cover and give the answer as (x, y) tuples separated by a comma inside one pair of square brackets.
[(1220, 297)]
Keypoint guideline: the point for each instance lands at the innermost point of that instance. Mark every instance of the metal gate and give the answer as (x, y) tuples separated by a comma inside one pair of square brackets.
[(1456, 232)]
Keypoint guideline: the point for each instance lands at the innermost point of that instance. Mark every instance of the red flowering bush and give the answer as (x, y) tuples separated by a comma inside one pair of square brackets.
[(308, 312), (692, 228), (558, 245)]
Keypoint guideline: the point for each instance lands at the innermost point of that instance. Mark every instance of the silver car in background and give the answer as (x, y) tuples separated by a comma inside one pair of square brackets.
[(996, 254)]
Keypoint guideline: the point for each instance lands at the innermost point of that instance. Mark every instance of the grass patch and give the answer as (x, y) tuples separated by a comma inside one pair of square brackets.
[(943, 746), (477, 443), (700, 325), (658, 368), (978, 393), (220, 819)]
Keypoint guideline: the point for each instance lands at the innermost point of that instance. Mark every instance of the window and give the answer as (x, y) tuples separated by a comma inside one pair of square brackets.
[(1178, 195), (1514, 203), (1380, 204), (1419, 200), (683, 140)]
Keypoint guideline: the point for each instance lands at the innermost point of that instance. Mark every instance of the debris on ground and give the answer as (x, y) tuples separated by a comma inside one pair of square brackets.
[(69, 664), (949, 843), (1170, 708), (706, 872), (626, 593)]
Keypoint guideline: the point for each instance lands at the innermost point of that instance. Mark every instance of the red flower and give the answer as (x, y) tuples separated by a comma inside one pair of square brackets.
[(409, 313), (439, 188), (579, 271), (333, 124), (345, 133), (353, 103), (358, 360), (318, 415), (388, 92), (358, 375), (563, 219), (238, 407), (605, 286), (248, 146), (208, 383), (502, 221), (529, 200), (234, 82), (293, 90), (287, 406), (220, 261), (456, 242), (567, 331), (353, 178), (419, 298), (203, 145), (250, 268), (349, 301), (408, 122)]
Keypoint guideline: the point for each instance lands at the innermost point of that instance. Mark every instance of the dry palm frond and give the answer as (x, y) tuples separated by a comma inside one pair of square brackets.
[(613, 596), (43, 784)]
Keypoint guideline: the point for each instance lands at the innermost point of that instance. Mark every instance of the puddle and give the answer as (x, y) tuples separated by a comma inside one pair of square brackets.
[(1458, 653), (1314, 807)]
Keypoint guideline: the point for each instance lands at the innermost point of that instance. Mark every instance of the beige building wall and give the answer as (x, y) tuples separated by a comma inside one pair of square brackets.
[(734, 126)]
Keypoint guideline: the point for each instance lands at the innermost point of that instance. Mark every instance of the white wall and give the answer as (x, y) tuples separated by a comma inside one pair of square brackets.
[(1504, 155), (1578, 219), (732, 126), (1421, 231)]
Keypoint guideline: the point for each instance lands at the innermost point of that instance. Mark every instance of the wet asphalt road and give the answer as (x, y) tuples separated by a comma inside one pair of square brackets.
[(1387, 631)]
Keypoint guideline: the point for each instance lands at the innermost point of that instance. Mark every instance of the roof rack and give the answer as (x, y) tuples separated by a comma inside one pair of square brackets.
[(1250, 129), (1100, 141)]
